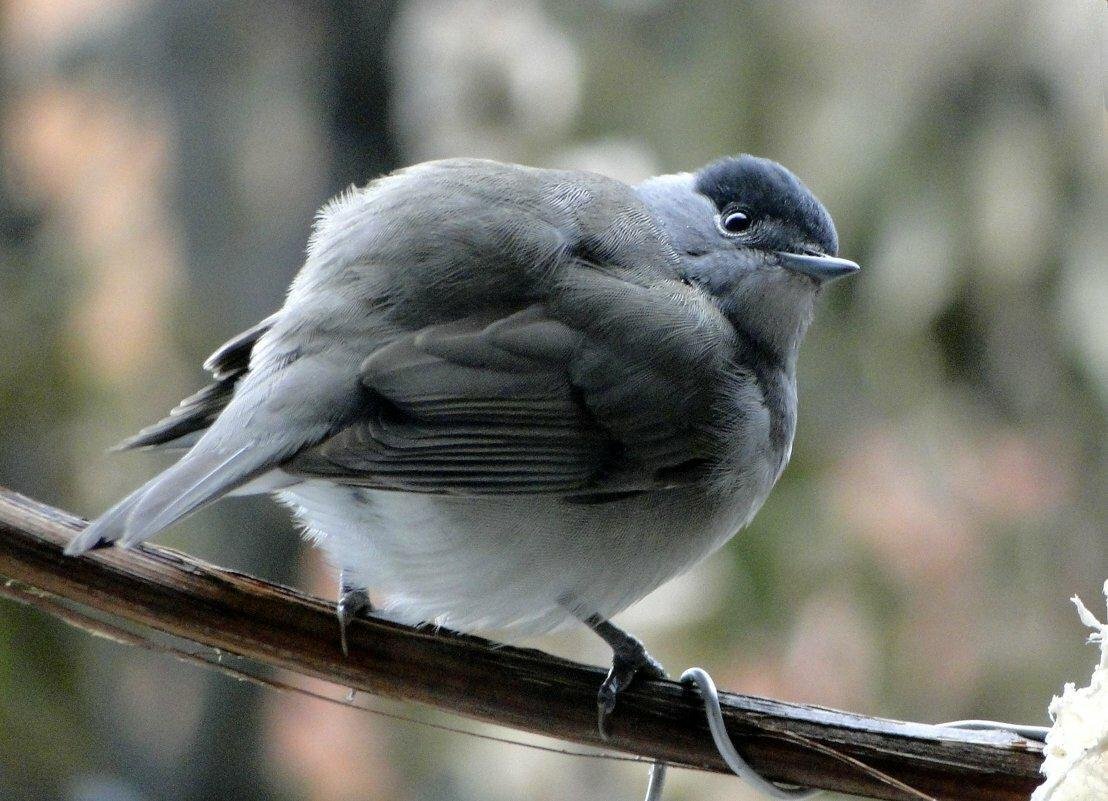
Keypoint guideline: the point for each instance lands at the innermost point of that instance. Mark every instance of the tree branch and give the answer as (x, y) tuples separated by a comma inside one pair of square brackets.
[(161, 589)]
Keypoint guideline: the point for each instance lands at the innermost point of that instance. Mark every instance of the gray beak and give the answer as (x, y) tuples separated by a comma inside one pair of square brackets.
[(821, 268)]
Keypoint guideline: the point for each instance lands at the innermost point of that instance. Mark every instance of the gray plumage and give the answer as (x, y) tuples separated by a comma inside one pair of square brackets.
[(508, 396)]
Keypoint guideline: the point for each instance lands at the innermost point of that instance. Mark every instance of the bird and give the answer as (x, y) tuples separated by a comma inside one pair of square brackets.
[(512, 398)]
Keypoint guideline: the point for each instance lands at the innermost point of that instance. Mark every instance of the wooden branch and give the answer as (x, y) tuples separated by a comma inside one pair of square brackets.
[(525, 689)]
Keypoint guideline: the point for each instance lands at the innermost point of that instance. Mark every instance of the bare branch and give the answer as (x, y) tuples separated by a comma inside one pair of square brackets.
[(161, 589)]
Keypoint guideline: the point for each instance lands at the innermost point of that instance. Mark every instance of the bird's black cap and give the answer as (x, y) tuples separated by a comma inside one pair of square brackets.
[(766, 189)]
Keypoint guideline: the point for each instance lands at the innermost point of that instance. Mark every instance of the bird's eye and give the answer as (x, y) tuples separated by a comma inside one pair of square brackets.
[(734, 222)]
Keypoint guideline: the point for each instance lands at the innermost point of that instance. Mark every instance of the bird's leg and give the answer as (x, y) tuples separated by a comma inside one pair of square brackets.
[(352, 602), (629, 658)]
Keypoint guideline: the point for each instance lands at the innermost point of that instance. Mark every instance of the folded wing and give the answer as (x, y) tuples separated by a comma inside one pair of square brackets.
[(516, 405)]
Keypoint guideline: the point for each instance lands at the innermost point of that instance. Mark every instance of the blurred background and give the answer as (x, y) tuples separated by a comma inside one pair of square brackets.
[(160, 163)]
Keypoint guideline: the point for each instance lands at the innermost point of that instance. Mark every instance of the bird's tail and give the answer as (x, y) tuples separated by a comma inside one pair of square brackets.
[(202, 476), (251, 420)]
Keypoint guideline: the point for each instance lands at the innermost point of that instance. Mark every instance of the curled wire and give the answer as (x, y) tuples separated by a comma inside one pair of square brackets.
[(726, 748), (657, 781), (44, 601), (742, 769)]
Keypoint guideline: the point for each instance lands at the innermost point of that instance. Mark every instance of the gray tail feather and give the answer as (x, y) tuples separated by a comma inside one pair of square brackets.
[(202, 476), (109, 526), (188, 421), (228, 452)]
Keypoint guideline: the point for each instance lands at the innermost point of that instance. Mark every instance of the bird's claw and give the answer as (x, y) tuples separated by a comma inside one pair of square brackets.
[(351, 603), (623, 671)]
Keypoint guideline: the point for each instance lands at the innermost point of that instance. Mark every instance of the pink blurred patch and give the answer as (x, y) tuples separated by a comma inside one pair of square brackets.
[(902, 511), (831, 658), (102, 165), (335, 754), (1010, 476), (925, 510)]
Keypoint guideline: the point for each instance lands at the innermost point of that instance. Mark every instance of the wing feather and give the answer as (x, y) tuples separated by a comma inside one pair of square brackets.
[(518, 404), (188, 420)]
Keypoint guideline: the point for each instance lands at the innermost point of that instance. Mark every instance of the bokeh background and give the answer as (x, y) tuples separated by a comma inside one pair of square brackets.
[(160, 163)]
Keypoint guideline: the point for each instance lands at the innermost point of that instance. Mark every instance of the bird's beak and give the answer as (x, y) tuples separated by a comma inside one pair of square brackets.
[(821, 268)]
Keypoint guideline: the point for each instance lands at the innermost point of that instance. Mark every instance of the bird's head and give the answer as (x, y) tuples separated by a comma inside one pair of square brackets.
[(755, 239)]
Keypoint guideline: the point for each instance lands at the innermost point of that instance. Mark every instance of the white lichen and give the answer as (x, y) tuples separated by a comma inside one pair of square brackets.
[(1076, 764)]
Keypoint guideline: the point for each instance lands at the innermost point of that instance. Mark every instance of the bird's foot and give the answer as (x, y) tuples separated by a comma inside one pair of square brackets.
[(351, 604), (625, 667)]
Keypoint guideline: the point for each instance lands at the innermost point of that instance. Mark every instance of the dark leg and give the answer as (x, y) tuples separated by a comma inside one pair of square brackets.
[(629, 658), (352, 602)]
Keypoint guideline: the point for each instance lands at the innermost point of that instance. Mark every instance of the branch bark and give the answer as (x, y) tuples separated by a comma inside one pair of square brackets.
[(157, 588)]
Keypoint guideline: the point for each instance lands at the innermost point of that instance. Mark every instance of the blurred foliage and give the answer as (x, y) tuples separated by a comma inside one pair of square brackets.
[(160, 163)]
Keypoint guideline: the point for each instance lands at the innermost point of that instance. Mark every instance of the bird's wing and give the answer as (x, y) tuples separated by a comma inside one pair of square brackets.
[(188, 420), (519, 404), (605, 393)]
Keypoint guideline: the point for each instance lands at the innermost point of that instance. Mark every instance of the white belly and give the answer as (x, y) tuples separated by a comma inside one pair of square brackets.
[(527, 563)]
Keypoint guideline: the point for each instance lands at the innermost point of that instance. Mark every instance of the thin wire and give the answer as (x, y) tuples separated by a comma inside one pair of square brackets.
[(45, 602), (657, 781), (744, 771), (726, 748), (862, 766)]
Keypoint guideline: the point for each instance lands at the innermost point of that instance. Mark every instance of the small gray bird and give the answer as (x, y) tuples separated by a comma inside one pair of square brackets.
[(509, 397)]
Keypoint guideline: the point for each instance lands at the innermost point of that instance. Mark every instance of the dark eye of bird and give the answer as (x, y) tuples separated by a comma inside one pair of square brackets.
[(735, 222)]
